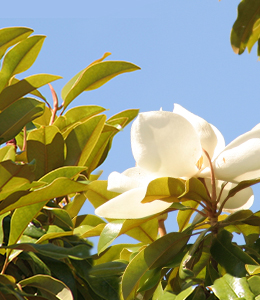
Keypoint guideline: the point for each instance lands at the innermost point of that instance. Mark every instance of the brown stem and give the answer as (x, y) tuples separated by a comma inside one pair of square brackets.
[(24, 138), (162, 229), (55, 104)]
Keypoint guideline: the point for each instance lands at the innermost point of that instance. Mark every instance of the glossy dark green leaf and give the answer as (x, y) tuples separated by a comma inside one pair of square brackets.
[(82, 140), (36, 264), (15, 91), (60, 218), (20, 58), (155, 255), (164, 188), (149, 280), (11, 35), (243, 28), (17, 115), (108, 269), (232, 288), (46, 146), (229, 255), (49, 287), (95, 76), (58, 188), (77, 252), (239, 216)]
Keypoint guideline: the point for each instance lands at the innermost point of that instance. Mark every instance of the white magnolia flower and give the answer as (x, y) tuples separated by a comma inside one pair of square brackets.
[(171, 144)]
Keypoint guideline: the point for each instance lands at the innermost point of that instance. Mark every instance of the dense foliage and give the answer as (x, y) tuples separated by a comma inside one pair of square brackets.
[(47, 157)]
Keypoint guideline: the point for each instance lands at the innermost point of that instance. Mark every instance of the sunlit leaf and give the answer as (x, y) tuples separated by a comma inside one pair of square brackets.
[(15, 91), (130, 114), (56, 288), (17, 115), (82, 139), (229, 288), (7, 153), (155, 255), (184, 216), (254, 284), (95, 76), (20, 58), (11, 35)]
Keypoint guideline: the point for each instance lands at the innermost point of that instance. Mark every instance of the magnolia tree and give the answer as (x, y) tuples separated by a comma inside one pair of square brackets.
[(47, 159)]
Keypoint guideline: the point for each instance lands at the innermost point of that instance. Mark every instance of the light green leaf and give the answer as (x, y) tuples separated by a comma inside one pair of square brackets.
[(15, 91), (86, 231), (77, 114), (230, 256), (232, 288), (44, 119), (130, 114), (184, 216), (46, 146), (254, 284), (50, 287), (82, 140), (164, 188), (20, 58), (195, 190), (58, 188), (7, 153), (93, 77), (73, 208), (17, 115), (155, 255), (11, 35)]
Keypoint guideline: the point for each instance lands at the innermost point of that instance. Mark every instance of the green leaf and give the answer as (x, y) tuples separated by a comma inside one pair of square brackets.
[(58, 188), (93, 77), (195, 190), (108, 269), (82, 140), (232, 288), (11, 35), (230, 256), (155, 255), (73, 208), (248, 14), (20, 58), (164, 188), (60, 218), (242, 185), (49, 287), (7, 153), (17, 115), (130, 114), (15, 91), (117, 227), (44, 119), (77, 114), (184, 216), (254, 284), (76, 252), (46, 146)]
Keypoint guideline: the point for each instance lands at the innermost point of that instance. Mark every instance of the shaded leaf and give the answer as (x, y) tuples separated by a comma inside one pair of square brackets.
[(184, 216), (242, 185), (17, 115), (230, 256), (46, 146), (95, 76), (248, 14)]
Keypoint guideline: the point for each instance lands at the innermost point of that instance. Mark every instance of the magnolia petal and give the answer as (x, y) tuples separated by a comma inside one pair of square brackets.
[(165, 144), (129, 179), (240, 159), (242, 200), (220, 142), (205, 131), (128, 206)]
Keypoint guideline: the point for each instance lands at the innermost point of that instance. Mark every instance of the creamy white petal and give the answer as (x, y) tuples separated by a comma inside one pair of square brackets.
[(165, 144), (240, 159), (128, 206), (242, 200), (220, 142), (256, 127), (205, 131), (129, 179)]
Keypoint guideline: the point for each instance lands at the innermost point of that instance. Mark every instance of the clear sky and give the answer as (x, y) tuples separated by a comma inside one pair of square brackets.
[(182, 47)]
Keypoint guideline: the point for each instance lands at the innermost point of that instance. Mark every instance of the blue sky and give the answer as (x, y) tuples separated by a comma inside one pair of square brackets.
[(182, 47)]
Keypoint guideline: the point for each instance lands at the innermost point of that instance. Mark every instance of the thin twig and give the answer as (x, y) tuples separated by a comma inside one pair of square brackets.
[(55, 104)]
